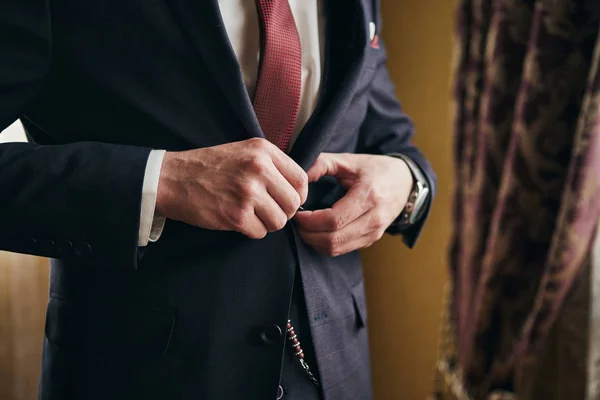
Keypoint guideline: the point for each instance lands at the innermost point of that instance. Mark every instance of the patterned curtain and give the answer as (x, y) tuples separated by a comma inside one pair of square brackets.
[(527, 201)]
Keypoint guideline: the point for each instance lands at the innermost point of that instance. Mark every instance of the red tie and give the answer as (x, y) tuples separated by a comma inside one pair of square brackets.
[(279, 82)]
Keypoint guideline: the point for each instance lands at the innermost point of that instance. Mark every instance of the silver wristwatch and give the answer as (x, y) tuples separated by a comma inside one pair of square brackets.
[(417, 200)]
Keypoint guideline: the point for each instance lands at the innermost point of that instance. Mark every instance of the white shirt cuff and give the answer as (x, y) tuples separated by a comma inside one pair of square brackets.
[(151, 224)]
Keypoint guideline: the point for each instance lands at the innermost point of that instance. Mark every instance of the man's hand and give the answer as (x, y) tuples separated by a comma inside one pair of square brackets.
[(250, 187), (378, 188)]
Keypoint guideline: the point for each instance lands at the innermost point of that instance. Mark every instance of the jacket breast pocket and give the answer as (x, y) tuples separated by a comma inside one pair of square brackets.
[(133, 334)]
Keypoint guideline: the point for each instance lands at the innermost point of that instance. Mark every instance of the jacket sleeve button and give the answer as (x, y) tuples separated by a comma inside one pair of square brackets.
[(33, 245), (47, 247), (83, 249), (65, 248)]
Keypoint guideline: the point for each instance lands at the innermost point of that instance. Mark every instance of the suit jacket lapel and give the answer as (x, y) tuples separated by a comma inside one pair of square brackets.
[(203, 26), (346, 33)]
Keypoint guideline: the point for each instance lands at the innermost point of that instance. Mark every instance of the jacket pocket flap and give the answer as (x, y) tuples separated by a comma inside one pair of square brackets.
[(360, 303)]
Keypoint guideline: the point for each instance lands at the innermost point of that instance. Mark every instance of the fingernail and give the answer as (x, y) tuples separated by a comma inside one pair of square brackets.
[(300, 208)]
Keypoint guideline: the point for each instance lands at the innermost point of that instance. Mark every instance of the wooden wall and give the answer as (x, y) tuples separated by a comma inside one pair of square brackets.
[(23, 296), (405, 287)]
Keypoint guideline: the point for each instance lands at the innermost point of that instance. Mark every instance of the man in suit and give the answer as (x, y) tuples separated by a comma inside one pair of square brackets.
[(203, 174)]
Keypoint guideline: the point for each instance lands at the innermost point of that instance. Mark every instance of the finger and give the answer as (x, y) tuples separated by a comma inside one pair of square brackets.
[(328, 244), (319, 168), (270, 214), (292, 172), (330, 164), (253, 227), (357, 235), (360, 243), (346, 210), (333, 239), (326, 164), (283, 193)]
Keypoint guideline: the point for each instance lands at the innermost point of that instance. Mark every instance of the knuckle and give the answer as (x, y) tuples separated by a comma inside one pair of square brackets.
[(332, 244), (239, 217), (264, 146), (378, 235), (301, 179), (277, 223), (258, 143), (374, 195), (294, 204), (249, 191), (290, 206), (337, 222), (281, 223), (257, 164), (378, 221)]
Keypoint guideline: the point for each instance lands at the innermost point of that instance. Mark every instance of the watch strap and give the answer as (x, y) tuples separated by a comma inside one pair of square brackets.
[(417, 200)]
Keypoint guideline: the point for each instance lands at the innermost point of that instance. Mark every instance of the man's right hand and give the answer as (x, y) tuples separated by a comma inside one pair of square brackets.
[(250, 187)]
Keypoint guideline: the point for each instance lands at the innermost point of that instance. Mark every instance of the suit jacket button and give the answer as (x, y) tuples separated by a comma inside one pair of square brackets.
[(47, 246), (65, 247), (271, 334), (83, 249)]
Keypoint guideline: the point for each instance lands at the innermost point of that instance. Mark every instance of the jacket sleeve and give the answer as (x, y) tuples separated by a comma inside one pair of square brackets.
[(387, 130), (76, 201)]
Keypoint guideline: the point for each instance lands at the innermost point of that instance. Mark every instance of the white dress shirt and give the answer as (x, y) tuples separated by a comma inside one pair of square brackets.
[(241, 22)]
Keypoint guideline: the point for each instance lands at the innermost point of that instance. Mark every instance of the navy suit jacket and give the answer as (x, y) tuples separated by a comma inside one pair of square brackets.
[(199, 314)]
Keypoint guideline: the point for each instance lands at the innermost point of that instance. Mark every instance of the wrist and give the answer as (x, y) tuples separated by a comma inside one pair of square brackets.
[(165, 190), (406, 178)]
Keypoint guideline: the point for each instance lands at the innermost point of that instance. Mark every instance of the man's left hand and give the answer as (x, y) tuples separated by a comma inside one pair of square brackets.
[(378, 188)]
